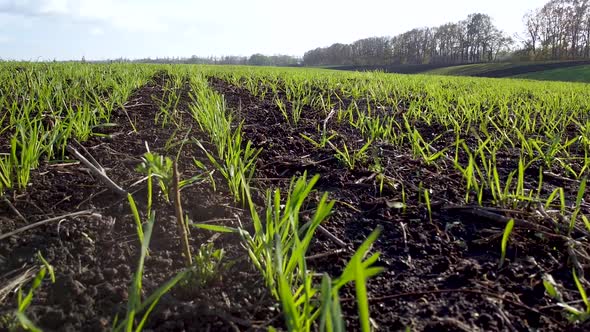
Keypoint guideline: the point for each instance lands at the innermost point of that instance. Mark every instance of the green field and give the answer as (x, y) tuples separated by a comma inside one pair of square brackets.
[(171, 197), (572, 71), (472, 69), (573, 74), (529, 70)]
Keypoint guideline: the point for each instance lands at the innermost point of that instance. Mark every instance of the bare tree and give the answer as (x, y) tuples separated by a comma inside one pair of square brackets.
[(559, 30), (475, 39), (532, 21)]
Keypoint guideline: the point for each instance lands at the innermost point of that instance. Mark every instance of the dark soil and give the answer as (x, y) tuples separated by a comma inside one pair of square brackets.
[(440, 274), (497, 73), (94, 257)]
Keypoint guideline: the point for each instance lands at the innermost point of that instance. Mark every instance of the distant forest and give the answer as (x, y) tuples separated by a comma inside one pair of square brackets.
[(475, 39), (253, 60), (560, 30)]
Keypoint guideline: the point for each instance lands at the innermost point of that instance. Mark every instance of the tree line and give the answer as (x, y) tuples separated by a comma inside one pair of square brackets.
[(557, 31), (560, 30), (253, 60), (475, 39)]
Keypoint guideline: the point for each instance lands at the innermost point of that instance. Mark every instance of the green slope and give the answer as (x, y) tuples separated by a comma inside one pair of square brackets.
[(575, 71), (571, 74), (472, 69)]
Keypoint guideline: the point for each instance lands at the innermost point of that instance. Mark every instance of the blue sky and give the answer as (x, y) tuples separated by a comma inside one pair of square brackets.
[(69, 29)]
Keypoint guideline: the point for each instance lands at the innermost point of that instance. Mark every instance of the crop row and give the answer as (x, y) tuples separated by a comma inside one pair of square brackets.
[(493, 134)]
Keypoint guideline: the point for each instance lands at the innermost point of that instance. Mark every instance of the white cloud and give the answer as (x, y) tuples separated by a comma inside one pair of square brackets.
[(128, 15), (35, 8), (140, 15), (97, 31), (55, 7)]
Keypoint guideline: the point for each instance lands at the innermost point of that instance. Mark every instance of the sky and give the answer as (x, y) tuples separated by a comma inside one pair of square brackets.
[(108, 29)]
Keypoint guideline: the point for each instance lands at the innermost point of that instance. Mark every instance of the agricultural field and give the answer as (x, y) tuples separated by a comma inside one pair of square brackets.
[(570, 74), (567, 71), (220, 198)]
